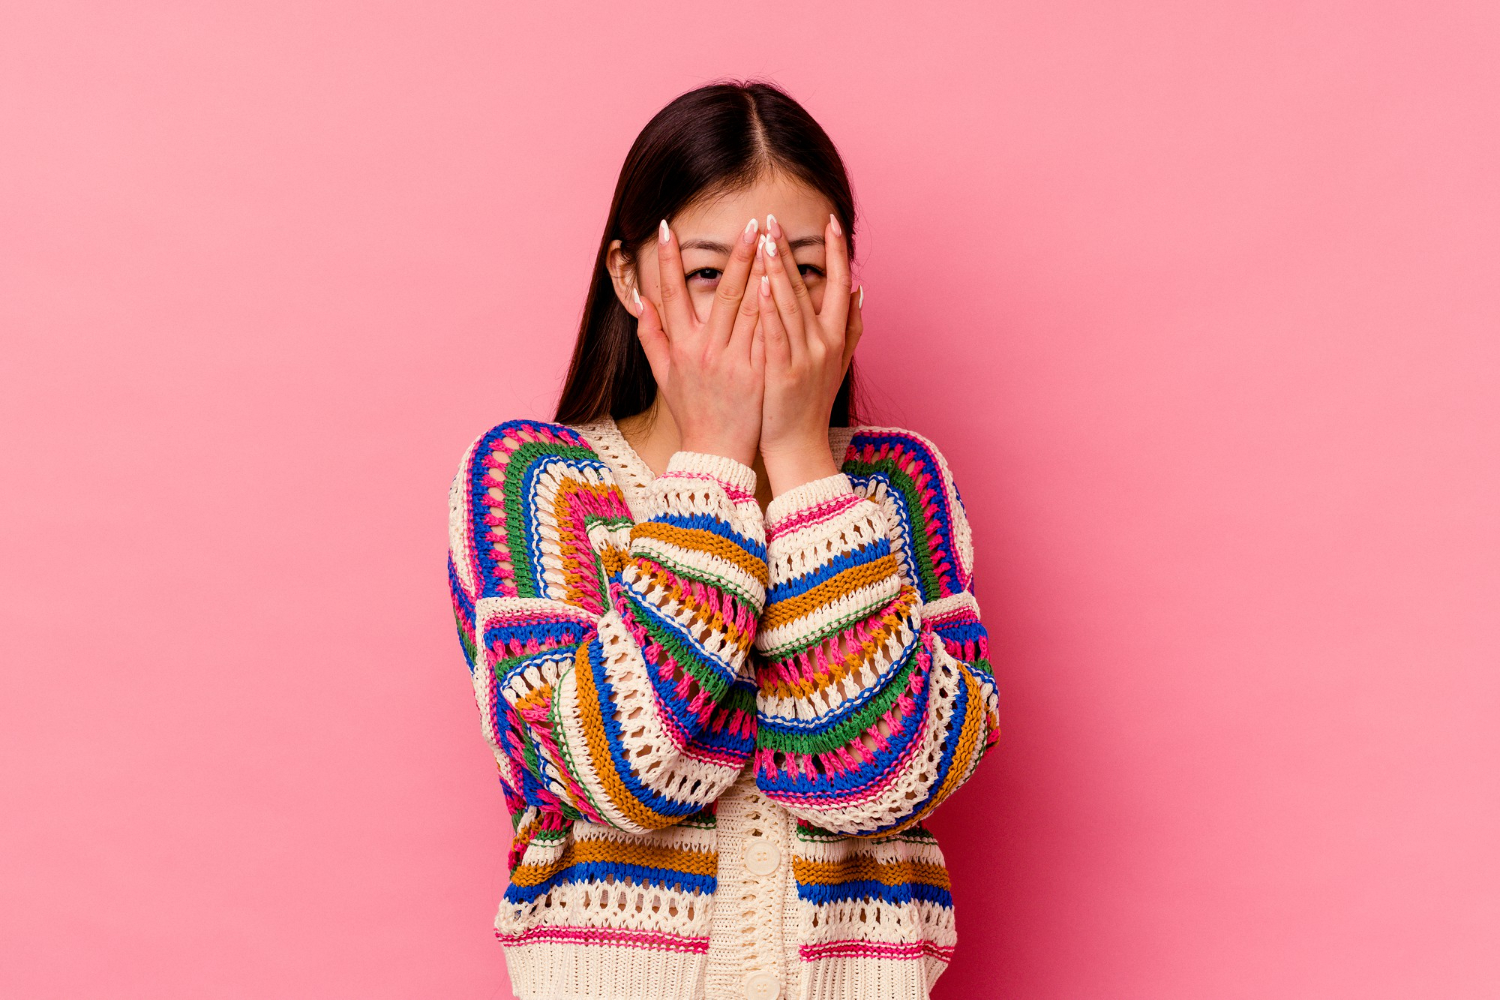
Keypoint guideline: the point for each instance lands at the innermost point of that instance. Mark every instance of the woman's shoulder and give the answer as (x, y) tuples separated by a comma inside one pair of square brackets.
[(521, 505), (911, 477), (538, 437), (512, 451), (893, 449)]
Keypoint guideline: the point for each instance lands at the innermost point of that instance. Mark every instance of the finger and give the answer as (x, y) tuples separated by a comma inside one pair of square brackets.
[(836, 308), (723, 317), (757, 346), (653, 340), (785, 296), (677, 308), (784, 250), (854, 328), (747, 312), (778, 348)]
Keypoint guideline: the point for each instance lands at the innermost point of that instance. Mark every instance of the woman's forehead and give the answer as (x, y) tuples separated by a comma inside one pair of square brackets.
[(795, 205)]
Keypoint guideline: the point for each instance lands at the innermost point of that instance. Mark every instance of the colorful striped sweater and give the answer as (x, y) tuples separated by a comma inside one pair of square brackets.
[(718, 732)]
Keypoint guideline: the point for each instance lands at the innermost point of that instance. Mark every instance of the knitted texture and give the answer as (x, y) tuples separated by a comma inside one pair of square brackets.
[(639, 643)]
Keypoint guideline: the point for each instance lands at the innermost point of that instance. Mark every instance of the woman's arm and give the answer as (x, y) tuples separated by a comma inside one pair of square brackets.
[(607, 656), (877, 700)]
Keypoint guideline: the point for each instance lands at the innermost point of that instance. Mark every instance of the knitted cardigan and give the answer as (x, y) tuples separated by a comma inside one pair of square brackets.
[(669, 680)]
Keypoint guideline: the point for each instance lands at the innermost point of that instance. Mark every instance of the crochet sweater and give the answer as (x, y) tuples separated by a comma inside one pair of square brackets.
[(718, 732)]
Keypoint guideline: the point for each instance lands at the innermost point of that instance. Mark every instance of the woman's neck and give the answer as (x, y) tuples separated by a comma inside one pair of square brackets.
[(655, 437)]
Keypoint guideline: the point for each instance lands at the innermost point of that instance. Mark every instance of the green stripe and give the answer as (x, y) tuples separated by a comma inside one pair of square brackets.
[(515, 506), (922, 553), (685, 656), (845, 732)]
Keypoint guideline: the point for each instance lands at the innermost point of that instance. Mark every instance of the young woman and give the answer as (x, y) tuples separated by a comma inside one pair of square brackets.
[(722, 638)]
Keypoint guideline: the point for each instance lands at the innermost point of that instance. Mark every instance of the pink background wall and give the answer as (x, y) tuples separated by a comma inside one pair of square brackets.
[(1200, 299)]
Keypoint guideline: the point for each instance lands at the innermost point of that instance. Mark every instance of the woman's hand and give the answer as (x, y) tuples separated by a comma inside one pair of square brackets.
[(710, 373), (806, 355)]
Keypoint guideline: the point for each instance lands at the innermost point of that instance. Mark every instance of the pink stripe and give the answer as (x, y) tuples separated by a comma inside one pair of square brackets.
[(734, 492), (826, 802), (607, 937), (854, 948), (812, 516)]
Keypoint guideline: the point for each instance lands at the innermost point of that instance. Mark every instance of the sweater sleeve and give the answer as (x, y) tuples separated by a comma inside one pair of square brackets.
[(609, 657), (876, 698)]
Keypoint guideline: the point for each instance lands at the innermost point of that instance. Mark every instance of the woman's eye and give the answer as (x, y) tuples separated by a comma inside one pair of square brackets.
[(705, 274), (808, 271)]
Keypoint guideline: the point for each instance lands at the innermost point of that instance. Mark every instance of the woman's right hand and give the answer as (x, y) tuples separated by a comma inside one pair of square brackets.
[(709, 373)]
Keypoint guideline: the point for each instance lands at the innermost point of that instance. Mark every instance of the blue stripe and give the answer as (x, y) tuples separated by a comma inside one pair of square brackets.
[(833, 788), (722, 740), (867, 553), (645, 609), (714, 525), (613, 733), (903, 519), (871, 889), (561, 632), (961, 631), (942, 544), (533, 538), (778, 723), (465, 610), (595, 871)]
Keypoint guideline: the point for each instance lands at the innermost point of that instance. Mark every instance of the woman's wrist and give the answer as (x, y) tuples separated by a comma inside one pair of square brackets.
[(741, 453), (789, 468)]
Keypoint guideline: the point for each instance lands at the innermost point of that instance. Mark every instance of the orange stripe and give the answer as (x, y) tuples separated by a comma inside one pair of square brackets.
[(575, 573), (963, 760), (699, 540), (702, 616), (890, 622), (580, 852), (968, 739), (863, 868), (633, 808), (845, 582)]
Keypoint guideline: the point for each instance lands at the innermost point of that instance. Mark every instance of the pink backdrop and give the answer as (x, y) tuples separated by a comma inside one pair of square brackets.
[(1200, 299)]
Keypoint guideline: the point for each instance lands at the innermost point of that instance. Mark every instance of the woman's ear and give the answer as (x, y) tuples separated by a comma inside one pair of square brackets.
[(622, 274)]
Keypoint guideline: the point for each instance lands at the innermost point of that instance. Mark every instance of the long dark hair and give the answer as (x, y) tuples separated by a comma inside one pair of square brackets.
[(713, 139)]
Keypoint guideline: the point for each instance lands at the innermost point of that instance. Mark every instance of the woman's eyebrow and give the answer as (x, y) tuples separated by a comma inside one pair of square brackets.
[(709, 245), (723, 248)]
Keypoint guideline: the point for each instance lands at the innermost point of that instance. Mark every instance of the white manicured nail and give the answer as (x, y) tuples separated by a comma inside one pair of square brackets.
[(636, 297), (773, 227), (665, 232), (765, 285), (750, 229), (771, 247), (834, 222), (861, 296)]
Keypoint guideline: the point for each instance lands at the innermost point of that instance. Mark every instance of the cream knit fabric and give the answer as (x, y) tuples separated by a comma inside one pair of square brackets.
[(774, 856)]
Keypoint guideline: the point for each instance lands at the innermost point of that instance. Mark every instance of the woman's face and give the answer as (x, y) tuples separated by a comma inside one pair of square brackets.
[(707, 229)]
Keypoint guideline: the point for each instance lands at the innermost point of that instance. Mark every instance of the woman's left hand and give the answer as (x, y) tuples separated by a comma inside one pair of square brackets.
[(807, 353)]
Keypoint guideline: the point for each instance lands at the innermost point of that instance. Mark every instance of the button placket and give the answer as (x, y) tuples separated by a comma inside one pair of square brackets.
[(762, 857), (762, 986)]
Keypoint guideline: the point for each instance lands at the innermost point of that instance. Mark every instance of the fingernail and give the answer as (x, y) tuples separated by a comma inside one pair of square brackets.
[(771, 246), (666, 232), (636, 297), (750, 229), (765, 285), (861, 296), (773, 227), (838, 230)]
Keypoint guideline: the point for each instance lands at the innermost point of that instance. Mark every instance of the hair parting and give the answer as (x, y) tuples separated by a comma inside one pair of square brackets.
[(715, 139)]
